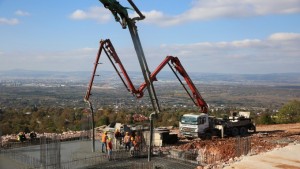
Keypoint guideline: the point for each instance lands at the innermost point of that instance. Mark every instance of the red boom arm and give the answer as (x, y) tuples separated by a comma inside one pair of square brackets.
[(109, 50), (177, 65)]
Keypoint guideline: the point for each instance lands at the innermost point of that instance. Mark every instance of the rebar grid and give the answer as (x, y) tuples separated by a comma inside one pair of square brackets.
[(51, 153), (1, 140), (142, 163), (242, 146)]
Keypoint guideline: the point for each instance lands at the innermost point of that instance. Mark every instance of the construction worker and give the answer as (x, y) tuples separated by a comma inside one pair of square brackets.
[(133, 147), (103, 141), (32, 136), (118, 136), (127, 141), (138, 138), (22, 137), (109, 148)]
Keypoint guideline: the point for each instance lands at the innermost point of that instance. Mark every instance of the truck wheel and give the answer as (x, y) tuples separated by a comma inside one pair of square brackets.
[(252, 128), (189, 138), (243, 131), (207, 136), (234, 131)]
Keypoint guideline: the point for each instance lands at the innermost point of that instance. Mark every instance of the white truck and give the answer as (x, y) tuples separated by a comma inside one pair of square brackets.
[(204, 126)]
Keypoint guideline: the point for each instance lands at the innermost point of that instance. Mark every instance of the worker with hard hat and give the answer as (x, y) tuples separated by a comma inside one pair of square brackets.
[(127, 141), (103, 141)]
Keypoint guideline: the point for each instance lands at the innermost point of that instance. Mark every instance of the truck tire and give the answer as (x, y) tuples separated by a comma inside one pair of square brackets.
[(243, 131), (252, 128), (234, 131), (207, 136), (189, 138)]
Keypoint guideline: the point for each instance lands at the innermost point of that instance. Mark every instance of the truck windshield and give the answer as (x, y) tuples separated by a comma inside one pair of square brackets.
[(188, 120)]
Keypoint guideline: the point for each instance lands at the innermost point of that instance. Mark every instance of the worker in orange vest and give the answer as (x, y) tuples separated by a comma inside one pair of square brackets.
[(103, 141), (134, 147)]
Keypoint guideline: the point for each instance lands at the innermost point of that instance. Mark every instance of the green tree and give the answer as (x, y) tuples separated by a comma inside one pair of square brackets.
[(104, 120), (265, 118), (289, 113)]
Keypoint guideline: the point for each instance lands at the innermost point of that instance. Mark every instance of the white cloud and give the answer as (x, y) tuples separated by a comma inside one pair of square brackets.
[(22, 13), (279, 52), (285, 36), (78, 15), (99, 14), (202, 10), (248, 45), (73, 60), (212, 9), (87, 49), (13, 21), (5, 21)]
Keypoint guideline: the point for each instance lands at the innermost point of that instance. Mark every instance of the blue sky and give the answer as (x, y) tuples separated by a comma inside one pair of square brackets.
[(217, 36)]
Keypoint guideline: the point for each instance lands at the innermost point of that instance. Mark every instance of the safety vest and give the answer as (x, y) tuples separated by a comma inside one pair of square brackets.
[(109, 146), (104, 138)]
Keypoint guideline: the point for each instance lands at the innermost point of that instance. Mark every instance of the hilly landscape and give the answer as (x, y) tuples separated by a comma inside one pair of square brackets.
[(204, 78)]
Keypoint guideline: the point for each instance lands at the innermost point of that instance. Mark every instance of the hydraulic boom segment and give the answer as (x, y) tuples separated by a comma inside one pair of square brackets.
[(172, 62), (110, 52), (121, 15)]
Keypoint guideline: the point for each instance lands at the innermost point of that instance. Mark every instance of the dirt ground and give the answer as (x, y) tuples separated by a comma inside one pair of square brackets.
[(267, 137)]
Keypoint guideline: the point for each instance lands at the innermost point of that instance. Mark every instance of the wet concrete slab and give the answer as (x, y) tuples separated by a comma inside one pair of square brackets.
[(22, 157), (78, 154), (7, 163)]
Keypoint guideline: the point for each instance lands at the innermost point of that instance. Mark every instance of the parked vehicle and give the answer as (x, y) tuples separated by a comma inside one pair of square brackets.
[(204, 126)]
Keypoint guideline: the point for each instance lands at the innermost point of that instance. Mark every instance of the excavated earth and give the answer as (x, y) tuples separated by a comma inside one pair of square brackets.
[(267, 138)]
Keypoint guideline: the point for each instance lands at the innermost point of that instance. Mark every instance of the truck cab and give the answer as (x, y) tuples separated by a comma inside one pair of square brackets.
[(194, 125)]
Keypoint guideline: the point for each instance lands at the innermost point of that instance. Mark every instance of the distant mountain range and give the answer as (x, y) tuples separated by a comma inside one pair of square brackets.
[(164, 76)]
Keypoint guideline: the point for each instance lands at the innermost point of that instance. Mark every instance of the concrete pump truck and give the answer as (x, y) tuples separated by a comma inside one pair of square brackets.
[(190, 125)]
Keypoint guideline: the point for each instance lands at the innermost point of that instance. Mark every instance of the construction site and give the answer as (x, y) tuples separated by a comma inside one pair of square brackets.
[(200, 140), (74, 150)]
